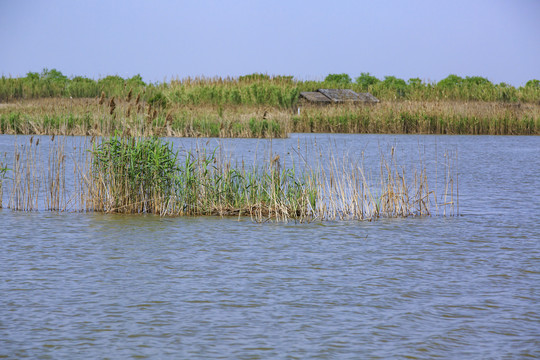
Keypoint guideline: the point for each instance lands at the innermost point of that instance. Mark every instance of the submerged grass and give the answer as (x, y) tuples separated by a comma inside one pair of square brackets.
[(146, 175)]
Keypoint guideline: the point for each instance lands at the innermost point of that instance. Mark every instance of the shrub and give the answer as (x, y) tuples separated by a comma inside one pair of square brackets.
[(450, 81), (365, 80), (339, 79), (533, 84)]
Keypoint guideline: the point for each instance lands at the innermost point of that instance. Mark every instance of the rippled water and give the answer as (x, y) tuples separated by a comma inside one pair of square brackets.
[(113, 286)]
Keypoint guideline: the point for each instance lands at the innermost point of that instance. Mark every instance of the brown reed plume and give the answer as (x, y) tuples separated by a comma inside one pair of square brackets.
[(102, 98), (112, 106)]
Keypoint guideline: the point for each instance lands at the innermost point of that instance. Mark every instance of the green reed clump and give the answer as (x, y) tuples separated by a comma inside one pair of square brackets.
[(133, 175), (11, 122), (264, 128), (210, 185)]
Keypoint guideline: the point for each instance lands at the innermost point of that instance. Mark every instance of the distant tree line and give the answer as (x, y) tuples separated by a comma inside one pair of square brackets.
[(453, 87), (260, 89)]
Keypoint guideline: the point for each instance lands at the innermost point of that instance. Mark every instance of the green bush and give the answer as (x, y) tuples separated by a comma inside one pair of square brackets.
[(365, 81), (339, 79)]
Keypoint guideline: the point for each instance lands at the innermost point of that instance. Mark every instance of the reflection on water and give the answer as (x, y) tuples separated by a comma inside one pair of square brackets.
[(93, 286)]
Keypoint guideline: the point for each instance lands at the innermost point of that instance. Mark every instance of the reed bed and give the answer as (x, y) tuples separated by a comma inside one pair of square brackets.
[(146, 175), (31, 177), (349, 193), (259, 105), (410, 117), (88, 117), (132, 117)]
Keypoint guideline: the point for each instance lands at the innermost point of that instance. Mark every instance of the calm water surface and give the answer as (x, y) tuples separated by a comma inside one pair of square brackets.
[(112, 286)]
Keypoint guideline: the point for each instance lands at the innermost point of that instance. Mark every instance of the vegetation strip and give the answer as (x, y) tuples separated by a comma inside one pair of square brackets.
[(145, 175), (260, 89), (262, 106)]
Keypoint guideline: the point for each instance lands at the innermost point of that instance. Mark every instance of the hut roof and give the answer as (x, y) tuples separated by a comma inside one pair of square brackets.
[(326, 96), (367, 97), (314, 96), (340, 95)]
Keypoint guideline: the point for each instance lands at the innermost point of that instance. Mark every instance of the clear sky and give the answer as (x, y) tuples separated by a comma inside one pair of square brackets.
[(160, 40)]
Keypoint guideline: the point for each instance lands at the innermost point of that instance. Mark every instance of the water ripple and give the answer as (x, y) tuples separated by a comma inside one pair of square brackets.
[(115, 286)]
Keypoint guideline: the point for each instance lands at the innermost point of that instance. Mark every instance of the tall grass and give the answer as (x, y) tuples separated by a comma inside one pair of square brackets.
[(97, 117), (33, 178), (27, 177), (146, 175), (134, 118), (409, 117), (259, 105), (349, 192), (133, 176)]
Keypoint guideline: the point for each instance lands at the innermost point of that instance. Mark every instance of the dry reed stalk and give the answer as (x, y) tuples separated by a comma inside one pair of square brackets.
[(26, 180), (3, 176), (56, 178), (345, 192)]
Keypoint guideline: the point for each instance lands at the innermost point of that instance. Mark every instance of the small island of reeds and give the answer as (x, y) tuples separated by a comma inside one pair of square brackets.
[(136, 175)]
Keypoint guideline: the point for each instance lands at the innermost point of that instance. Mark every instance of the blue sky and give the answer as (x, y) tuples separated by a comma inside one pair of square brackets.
[(162, 40)]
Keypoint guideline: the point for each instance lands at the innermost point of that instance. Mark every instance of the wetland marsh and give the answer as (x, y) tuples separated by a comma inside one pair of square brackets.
[(212, 218)]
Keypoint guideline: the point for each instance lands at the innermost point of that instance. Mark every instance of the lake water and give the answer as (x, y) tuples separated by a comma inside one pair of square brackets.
[(88, 285)]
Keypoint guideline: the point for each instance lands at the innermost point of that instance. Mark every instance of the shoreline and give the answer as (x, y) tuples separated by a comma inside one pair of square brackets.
[(129, 116)]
